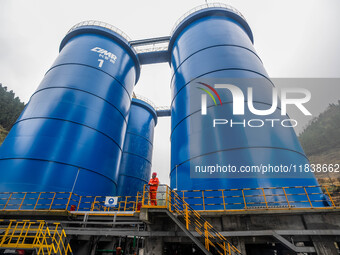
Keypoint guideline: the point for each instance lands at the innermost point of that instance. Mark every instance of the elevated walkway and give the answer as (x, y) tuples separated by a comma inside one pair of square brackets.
[(213, 226)]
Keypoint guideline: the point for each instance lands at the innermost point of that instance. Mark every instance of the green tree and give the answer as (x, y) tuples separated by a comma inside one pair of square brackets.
[(323, 133), (10, 107)]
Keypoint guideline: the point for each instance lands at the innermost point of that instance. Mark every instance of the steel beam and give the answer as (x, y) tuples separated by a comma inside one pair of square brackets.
[(150, 41)]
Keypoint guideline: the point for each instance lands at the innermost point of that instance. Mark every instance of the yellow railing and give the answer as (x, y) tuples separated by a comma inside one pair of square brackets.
[(192, 220), (34, 235), (185, 204), (276, 198), (63, 201)]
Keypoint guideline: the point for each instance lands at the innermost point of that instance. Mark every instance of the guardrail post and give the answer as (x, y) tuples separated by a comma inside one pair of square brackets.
[(206, 235), (170, 202), (93, 203), (10, 196), (52, 200), (223, 200), (79, 203), (125, 203), (22, 201), (186, 216), (244, 200), (143, 195), (284, 191), (203, 200), (329, 195), (68, 200), (311, 205), (265, 199), (37, 201), (137, 201)]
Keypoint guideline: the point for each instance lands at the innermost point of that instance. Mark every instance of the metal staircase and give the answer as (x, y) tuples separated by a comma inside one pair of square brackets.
[(39, 236), (209, 240)]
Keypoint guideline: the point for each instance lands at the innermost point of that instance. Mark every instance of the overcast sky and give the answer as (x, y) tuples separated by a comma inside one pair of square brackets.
[(298, 38)]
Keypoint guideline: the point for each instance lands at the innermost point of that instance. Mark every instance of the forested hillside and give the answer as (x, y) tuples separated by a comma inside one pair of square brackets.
[(323, 133), (3, 134), (321, 142), (10, 109)]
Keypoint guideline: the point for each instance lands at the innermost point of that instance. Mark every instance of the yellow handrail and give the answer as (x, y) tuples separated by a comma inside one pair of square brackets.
[(330, 197), (22, 201), (180, 205), (311, 205), (34, 235), (191, 219), (275, 198)]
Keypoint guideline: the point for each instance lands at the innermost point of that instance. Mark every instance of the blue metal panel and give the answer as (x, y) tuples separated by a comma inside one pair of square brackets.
[(226, 32), (136, 160), (76, 120), (216, 43)]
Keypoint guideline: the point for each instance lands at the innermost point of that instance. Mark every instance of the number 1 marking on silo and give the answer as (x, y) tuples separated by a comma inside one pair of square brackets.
[(101, 62)]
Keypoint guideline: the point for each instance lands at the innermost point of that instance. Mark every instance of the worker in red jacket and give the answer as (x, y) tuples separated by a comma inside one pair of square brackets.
[(153, 183)]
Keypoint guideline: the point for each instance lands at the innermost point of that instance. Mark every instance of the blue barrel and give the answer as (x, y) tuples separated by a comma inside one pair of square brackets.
[(210, 46), (70, 135), (135, 166)]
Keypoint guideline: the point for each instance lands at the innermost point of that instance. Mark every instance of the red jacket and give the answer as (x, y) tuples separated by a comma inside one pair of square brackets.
[(154, 184)]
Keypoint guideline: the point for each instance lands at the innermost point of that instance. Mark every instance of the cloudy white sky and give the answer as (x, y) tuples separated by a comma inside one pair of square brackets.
[(293, 38)]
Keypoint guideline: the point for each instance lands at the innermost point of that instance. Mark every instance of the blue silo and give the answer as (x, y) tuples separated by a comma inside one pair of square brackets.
[(210, 46), (72, 130), (135, 166)]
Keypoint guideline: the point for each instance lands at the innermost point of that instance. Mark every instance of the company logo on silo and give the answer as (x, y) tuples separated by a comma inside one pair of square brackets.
[(239, 101), (104, 55)]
